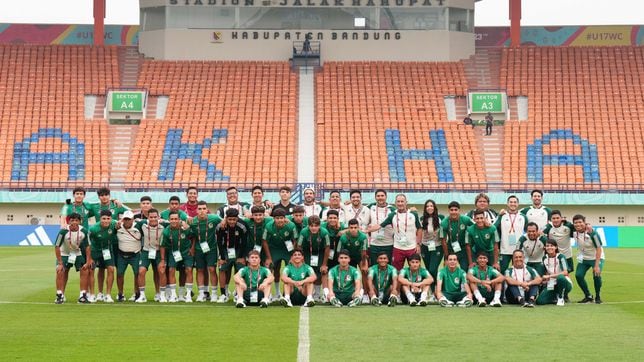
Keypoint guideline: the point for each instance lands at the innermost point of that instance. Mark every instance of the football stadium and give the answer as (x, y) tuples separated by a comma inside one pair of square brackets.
[(308, 180)]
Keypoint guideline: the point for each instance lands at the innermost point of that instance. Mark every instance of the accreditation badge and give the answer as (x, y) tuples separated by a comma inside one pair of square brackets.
[(152, 253), (431, 246), (204, 246), (456, 246), (253, 297), (71, 259), (289, 245), (231, 253), (107, 255), (177, 256), (551, 284), (331, 254), (257, 248), (512, 239), (314, 260)]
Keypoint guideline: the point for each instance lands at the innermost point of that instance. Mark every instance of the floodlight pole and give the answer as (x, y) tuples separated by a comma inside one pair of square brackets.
[(515, 22), (99, 22)]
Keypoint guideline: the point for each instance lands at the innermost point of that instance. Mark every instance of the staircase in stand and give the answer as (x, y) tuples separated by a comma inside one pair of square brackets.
[(491, 148), (120, 143)]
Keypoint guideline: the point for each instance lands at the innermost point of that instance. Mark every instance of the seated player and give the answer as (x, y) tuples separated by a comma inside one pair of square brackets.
[(486, 282), (298, 279), (415, 281), (72, 249), (451, 286), (556, 278), (344, 282), (523, 282), (253, 283), (382, 281)]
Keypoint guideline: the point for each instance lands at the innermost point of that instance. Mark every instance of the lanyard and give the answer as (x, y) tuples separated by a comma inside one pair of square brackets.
[(356, 212), (256, 280), (72, 245), (341, 281), (413, 278), (199, 230), (581, 241), (312, 209), (555, 264), (534, 246), (255, 234), (451, 232), (156, 237), (478, 272), (311, 244), (516, 275), (378, 213), (227, 237), (398, 222), (178, 240), (512, 220), (382, 282)]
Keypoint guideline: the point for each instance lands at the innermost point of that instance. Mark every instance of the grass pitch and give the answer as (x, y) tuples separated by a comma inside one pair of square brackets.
[(34, 328)]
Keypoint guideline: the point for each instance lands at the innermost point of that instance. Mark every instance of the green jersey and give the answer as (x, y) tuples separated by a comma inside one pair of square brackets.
[(204, 231), (72, 241), (298, 273), (85, 210), (278, 238), (533, 249), (165, 215), (382, 278), (102, 238), (256, 232), (314, 244), (453, 281), (415, 277), (454, 231), (111, 207), (488, 273), (540, 215), (176, 239), (481, 239), (344, 279), (299, 227), (356, 245), (254, 277), (334, 235)]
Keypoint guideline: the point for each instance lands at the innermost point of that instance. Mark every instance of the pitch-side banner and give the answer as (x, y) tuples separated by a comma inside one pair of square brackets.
[(49, 34), (600, 35)]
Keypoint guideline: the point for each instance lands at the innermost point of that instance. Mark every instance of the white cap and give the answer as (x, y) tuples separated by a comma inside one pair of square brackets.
[(128, 215)]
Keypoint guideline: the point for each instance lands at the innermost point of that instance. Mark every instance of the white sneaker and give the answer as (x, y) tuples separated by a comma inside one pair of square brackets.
[(365, 299), (275, 298), (464, 303), (91, 298), (222, 299), (108, 299), (213, 298), (188, 298), (141, 299), (162, 298), (561, 302), (240, 303), (496, 303), (286, 302), (310, 302), (173, 299), (444, 302), (100, 297), (157, 297), (432, 300), (201, 298), (132, 298), (264, 303), (180, 298)]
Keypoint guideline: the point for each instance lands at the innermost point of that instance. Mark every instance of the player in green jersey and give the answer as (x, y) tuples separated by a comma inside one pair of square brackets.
[(314, 241), (486, 282), (298, 218), (78, 206), (253, 283), (453, 233), (203, 228), (482, 238), (556, 279), (298, 279), (382, 281), (177, 252), (344, 282), (72, 249), (415, 281), (278, 241), (451, 285), (102, 239)]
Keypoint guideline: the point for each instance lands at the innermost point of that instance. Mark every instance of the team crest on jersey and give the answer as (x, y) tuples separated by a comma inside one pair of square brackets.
[(357, 242), (286, 233), (109, 231), (236, 233), (183, 236), (347, 278), (457, 280), (210, 225), (462, 227), (487, 236), (302, 275)]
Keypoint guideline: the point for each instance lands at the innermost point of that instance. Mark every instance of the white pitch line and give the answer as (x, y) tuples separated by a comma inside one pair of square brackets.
[(303, 341)]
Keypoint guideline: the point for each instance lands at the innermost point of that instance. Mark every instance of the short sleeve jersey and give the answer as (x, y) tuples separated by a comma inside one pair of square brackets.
[(334, 237), (453, 281), (556, 264), (454, 230), (344, 279), (354, 244), (341, 216), (540, 215), (298, 273), (85, 210), (310, 210), (587, 243), (384, 236), (165, 215), (510, 226), (276, 237), (151, 235), (382, 278), (299, 227), (254, 277), (405, 224), (360, 213), (430, 234), (562, 234), (525, 274), (313, 244), (176, 239), (102, 238), (72, 241), (488, 273), (490, 215), (414, 277), (205, 230), (533, 249), (481, 239), (111, 207), (256, 231), (242, 207)]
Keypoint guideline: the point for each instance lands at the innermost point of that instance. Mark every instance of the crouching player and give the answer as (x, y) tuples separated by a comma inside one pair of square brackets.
[(344, 282), (558, 283), (415, 281), (486, 282), (298, 279), (382, 280), (452, 287), (253, 283), (71, 249)]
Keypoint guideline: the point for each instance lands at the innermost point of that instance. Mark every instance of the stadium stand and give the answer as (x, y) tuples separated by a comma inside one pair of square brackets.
[(365, 108), (226, 123), (585, 108), (45, 138)]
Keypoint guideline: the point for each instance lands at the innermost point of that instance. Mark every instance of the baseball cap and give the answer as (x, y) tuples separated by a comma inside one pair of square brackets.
[(128, 215)]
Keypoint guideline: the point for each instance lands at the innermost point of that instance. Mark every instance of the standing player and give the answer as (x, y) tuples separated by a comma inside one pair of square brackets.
[(203, 228), (431, 249), (482, 202), (486, 282), (335, 230), (257, 194), (298, 279), (415, 281), (453, 234), (232, 236), (561, 231), (355, 210), (511, 224), (129, 252), (285, 203), (533, 246), (253, 283), (145, 205), (480, 238), (232, 198), (310, 206), (451, 285), (151, 233), (256, 225), (382, 282), (177, 252), (72, 249), (103, 241), (523, 282), (278, 242), (537, 213), (335, 203), (590, 256), (77, 206), (383, 239), (314, 242), (558, 284), (174, 205), (344, 282)]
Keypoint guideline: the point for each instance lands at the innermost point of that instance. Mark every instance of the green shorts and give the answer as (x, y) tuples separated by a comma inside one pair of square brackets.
[(454, 296), (145, 262), (488, 296), (344, 297), (260, 296), (374, 250), (80, 261), (205, 260), (228, 266), (297, 298), (123, 260), (279, 256), (99, 262), (187, 261)]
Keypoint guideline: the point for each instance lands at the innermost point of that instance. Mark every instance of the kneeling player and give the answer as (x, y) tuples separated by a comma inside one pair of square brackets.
[(486, 282), (71, 249), (382, 280), (415, 281), (451, 287), (558, 283), (344, 282), (298, 281), (253, 283)]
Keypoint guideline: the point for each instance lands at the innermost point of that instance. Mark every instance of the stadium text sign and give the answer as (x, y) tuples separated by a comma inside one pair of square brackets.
[(343, 3), (487, 102), (127, 102)]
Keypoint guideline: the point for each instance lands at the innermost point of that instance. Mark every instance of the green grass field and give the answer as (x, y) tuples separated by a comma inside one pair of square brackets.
[(34, 328)]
